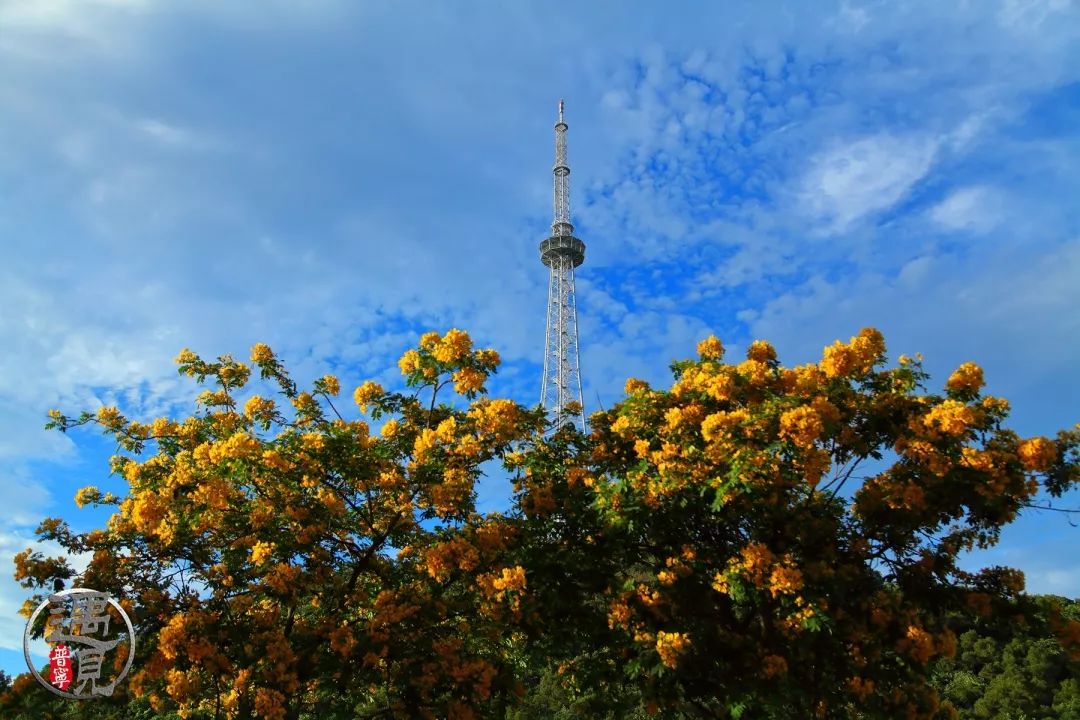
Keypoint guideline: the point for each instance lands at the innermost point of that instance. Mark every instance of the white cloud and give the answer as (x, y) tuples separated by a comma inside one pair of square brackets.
[(969, 130), (12, 595), (1030, 15), (975, 209), (166, 133), (25, 498), (58, 13), (1061, 581), (95, 24), (855, 179), (992, 307), (850, 19)]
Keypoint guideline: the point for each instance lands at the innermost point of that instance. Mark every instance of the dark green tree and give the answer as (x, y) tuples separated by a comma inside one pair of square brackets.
[(1011, 670)]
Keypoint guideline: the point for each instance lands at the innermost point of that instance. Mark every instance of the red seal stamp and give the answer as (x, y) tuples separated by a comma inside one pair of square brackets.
[(60, 665)]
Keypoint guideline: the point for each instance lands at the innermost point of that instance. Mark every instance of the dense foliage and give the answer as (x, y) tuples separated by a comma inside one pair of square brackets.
[(1013, 670), (694, 555)]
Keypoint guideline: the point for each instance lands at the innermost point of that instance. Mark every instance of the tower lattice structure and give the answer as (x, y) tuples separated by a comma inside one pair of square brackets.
[(562, 253)]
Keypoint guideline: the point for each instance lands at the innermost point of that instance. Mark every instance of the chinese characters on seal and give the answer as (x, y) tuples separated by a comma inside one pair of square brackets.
[(84, 641)]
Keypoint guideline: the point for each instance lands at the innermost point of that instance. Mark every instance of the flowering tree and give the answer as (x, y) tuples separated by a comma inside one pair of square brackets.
[(739, 580), (288, 563), (698, 546)]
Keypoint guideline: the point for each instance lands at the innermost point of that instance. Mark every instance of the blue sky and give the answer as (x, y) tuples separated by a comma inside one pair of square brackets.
[(335, 177)]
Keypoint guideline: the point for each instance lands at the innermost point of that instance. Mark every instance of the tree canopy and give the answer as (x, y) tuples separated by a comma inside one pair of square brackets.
[(756, 541)]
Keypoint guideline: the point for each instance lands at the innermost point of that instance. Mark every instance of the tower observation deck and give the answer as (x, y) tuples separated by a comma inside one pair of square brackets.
[(562, 253)]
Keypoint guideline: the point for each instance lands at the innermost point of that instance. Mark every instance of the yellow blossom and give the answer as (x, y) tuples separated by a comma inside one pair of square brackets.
[(440, 559), (185, 357), (756, 372), (449, 496), (161, 427), (496, 417), (824, 408), (447, 429), (802, 426), (87, 495), (261, 551), (710, 348), (179, 685), (966, 378), (858, 356), (785, 580), (211, 398), (425, 442), (761, 351), (342, 641), (468, 380), (468, 446), (331, 500), (670, 645), (282, 577), (756, 560), (261, 354), (390, 429), (837, 360), (146, 511), (804, 380), (240, 446), (330, 382), (258, 407), (951, 417), (274, 460), (409, 362), (109, 416), (511, 579), (1037, 454), (641, 447), (618, 614), (455, 345), (27, 608), (269, 704), (918, 643), (489, 357), (721, 424), (366, 393)]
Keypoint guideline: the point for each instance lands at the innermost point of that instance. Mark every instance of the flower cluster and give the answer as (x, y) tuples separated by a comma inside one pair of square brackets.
[(671, 646)]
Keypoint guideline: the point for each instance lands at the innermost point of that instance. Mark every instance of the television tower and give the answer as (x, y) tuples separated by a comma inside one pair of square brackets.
[(562, 252)]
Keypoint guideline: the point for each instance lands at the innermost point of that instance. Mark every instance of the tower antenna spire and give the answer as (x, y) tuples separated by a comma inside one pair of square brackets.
[(561, 253)]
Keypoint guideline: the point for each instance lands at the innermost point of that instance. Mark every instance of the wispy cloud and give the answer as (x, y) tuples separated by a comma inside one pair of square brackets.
[(970, 208), (859, 178), (165, 133), (1032, 15), (12, 596)]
